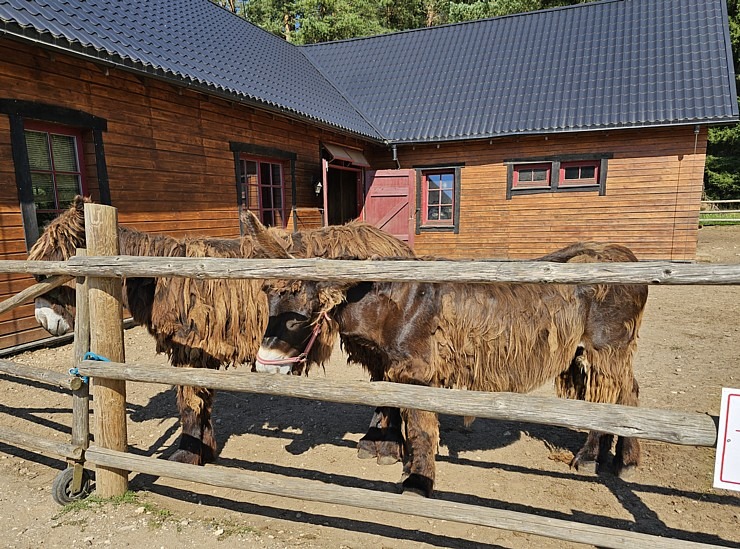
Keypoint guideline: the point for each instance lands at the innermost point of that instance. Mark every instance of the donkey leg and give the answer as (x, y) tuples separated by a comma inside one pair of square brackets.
[(367, 446), (209, 447), (422, 436), (627, 453), (391, 445), (384, 438), (197, 441), (574, 383)]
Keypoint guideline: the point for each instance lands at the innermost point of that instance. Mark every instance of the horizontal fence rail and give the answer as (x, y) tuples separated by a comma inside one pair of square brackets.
[(713, 213), (664, 425), (312, 490), (33, 292), (40, 444), (647, 272), (65, 381)]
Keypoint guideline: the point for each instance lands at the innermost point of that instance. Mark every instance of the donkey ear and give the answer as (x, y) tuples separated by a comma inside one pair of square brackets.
[(330, 296), (250, 221), (262, 237)]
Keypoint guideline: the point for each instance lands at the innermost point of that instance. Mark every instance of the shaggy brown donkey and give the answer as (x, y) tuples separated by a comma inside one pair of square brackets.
[(489, 337), (197, 323)]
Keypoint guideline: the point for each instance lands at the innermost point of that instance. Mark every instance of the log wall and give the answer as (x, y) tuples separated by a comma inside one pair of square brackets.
[(169, 164), (653, 192), (171, 170)]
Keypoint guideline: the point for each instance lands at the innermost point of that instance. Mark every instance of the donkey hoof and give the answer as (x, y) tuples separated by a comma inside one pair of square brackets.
[(416, 484), (586, 467), (625, 472), (183, 456), (388, 453), (367, 449)]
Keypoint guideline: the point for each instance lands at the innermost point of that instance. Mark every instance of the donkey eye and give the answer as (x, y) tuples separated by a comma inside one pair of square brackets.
[(293, 325)]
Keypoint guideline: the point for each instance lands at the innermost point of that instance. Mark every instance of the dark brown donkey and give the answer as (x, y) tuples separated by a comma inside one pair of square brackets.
[(486, 337), (198, 323)]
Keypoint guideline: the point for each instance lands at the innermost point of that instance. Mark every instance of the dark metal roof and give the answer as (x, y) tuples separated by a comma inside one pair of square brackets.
[(608, 64), (192, 41)]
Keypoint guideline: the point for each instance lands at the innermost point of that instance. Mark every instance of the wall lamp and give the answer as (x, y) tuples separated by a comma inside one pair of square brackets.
[(317, 187)]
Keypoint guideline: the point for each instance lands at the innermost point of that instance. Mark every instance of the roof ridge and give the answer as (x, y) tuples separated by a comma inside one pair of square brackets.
[(347, 97)]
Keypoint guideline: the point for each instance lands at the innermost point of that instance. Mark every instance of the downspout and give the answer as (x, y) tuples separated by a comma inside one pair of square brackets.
[(394, 150), (293, 195)]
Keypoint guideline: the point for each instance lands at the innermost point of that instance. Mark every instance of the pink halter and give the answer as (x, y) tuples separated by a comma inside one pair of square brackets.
[(303, 357)]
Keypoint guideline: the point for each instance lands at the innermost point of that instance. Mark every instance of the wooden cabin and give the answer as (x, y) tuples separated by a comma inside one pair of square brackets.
[(500, 138)]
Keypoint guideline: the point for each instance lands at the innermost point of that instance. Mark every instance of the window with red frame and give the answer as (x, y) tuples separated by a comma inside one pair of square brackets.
[(438, 205), (557, 174), (54, 156), (579, 174), (531, 176), (262, 189)]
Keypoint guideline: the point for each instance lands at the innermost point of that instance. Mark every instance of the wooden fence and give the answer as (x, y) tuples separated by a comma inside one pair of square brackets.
[(713, 210), (103, 328)]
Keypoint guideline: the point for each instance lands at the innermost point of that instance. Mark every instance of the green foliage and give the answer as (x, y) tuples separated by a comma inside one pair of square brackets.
[(395, 15), (311, 21), (722, 173), (275, 16), (324, 20), (467, 10)]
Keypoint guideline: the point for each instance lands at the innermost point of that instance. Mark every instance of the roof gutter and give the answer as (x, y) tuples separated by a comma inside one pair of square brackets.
[(697, 122)]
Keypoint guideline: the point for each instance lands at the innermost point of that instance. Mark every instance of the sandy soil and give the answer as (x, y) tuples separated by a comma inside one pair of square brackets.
[(688, 352)]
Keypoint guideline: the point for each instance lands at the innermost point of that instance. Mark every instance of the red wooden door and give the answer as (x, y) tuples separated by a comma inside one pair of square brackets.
[(388, 202)]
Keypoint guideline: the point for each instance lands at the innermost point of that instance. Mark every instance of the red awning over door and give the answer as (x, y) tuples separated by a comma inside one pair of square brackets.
[(352, 156)]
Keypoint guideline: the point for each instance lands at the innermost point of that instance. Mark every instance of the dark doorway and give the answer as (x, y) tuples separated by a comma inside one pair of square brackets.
[(342, 198)]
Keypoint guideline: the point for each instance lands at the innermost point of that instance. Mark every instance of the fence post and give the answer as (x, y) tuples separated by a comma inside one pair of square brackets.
[(80, 389), (81, 396), (106, 340)]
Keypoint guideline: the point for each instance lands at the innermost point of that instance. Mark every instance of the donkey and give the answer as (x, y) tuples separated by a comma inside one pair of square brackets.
[(487, 337), (198, 323)]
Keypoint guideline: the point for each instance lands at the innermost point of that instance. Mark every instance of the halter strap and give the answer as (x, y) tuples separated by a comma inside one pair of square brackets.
[(303, 357)]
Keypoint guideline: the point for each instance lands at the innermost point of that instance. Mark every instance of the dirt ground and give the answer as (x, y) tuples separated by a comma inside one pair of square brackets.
[(689, 349)]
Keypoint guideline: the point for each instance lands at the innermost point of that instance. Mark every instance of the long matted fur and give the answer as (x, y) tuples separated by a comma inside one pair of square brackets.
[(488, 337), (203, 323)]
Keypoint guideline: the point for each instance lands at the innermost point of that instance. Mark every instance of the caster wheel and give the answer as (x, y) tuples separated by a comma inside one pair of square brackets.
[(62, 489)]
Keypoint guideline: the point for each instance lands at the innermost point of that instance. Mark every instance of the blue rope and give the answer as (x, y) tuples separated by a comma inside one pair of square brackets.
[(93, 356), (88, 356), (75, 372)]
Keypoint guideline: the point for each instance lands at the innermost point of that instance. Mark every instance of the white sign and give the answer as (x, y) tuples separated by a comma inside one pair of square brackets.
[(727, 462)]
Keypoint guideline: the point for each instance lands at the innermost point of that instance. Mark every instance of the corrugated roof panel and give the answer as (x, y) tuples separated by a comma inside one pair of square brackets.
[(615, 63), (194, 40)]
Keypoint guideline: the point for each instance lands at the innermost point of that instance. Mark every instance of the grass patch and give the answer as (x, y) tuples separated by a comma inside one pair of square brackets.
[(718, 217), (230, 528), (158, 516), (95, 502)]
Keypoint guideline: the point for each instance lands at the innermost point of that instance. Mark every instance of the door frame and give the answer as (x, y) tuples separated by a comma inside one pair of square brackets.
[(360, 173)]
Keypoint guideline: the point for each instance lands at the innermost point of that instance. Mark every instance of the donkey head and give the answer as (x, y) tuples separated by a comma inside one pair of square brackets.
[(300, 331), (55, 310)]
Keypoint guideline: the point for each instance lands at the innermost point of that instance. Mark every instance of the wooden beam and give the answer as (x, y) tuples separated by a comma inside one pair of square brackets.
[(81, 395), (311, 490), (39, 444), (334, 270), (671, 426), (64, 381), (33, 292), (106, 339)]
